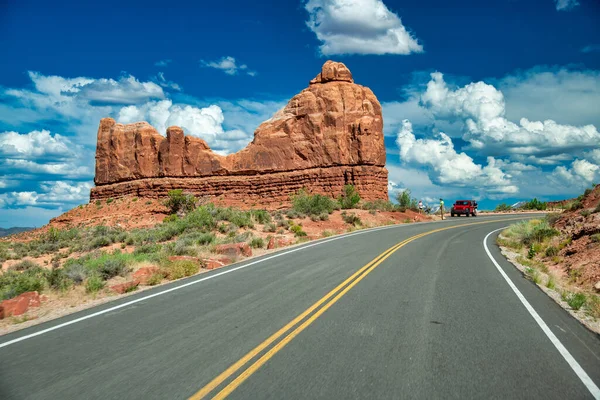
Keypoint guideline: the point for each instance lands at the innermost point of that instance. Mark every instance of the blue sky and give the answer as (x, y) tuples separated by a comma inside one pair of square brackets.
[(495, 100)]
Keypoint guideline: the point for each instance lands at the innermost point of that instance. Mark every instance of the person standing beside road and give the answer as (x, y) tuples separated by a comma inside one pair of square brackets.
[(442, 208), (420, 206)]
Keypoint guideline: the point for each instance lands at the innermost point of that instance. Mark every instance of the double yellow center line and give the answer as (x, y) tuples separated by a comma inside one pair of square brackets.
[(330, 299)]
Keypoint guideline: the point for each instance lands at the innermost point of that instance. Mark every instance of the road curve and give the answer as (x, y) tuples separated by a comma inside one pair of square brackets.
[(369, 315)]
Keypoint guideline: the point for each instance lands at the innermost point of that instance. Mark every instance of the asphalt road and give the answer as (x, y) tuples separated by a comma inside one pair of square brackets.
[(434, 319)]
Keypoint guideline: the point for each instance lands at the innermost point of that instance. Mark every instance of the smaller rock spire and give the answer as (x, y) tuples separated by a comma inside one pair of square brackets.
[(333, 71)]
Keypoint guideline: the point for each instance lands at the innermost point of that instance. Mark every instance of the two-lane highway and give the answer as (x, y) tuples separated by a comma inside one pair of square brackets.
[(409, 311)]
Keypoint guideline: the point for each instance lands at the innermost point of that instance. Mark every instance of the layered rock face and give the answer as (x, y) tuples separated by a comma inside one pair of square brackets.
[(328, 135)]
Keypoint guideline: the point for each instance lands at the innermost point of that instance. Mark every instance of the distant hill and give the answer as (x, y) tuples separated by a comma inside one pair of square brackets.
[(13, 230)]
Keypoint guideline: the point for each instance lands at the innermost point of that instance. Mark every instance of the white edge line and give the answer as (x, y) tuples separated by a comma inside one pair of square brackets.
[(587, 381), (98, 313)]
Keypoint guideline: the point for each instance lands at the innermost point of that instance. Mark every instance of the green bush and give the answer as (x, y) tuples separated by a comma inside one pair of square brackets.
[(13, 283), (170, 218), (270, 227), (178, 201), (147, 249), (306, 204), (101, 241), (113, 267), (24, 265), (535, 204), (243, 219), (179, 269), (349, 198), (94, 284), (597, 209), (576, 300), (404, 199), (576, 205), (503, 207), (379, 205), (257, 243), (76, 272), (551, 251), (261, 216), (529, 232), (552, 218), (59, 280), (154, 279), (351, 219), (585, 213), (297, 230)]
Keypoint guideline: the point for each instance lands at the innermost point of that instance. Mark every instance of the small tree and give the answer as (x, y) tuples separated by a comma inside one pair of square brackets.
[(350, 197), (404, 200), (178, 201)]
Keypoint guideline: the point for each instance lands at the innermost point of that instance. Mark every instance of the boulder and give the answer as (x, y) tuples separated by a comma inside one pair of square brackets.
[(143, 274), (328, 135), (279, 241), (214, 263), (234, 249), (19, 305), (125, 287)]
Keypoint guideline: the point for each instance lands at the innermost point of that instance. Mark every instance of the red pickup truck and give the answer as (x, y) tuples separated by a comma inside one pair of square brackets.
[(466, 207)]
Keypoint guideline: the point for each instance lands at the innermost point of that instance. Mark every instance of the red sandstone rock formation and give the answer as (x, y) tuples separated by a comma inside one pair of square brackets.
[(328, 135)]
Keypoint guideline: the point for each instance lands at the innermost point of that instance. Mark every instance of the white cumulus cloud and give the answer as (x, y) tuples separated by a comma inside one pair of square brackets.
[(228, 65), (448, 167), (36, 144), (482, 109), (359, 27)]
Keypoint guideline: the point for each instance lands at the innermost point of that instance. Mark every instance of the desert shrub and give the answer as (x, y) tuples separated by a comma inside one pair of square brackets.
[(270, 227), (154, 279), (222, 228), (202, 218), (237, 217), (76, 272), (304, 203), (13, 283), (178, 201), (587, 192), (585, 213), (327, 233), (535, 204), (552, 218), (101, 241), (179, 269), (551, 251), (147, 249), (576, 205), (551, 283), (297, 230), (243, 237), (257, 243), (292, 214), (595, 238), (170, 218), (379, 205), (109, 200), (112, 267), (59, 280), (182, 248), (349, 198), (232, 229), (503, 207), (597, 209), (528, 232), (205, 238), (94, 284), (261, 216), (24, 265), (575, 300), (593, 306), (351, 219), (404, 199)]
